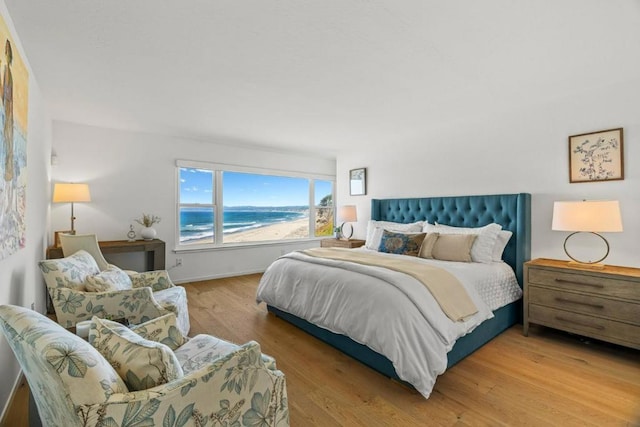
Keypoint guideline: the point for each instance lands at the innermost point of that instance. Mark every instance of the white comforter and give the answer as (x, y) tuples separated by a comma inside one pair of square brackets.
[(387, 311)]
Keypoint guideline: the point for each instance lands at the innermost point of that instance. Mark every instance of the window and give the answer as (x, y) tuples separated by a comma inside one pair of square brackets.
[(196, 216), (221, 204)]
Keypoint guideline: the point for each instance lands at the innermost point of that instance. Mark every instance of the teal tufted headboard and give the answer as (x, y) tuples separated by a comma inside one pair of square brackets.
[(512, 211)]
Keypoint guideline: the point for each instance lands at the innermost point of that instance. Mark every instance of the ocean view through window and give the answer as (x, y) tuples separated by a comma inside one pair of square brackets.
[(218, 207)]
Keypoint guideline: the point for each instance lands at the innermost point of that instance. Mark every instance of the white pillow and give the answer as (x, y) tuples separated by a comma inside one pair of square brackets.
[(482, 249), (111, 279), (376, 228), (501, 243)]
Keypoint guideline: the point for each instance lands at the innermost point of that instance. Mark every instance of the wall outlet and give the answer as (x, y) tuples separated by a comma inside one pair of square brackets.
[(178, 262)]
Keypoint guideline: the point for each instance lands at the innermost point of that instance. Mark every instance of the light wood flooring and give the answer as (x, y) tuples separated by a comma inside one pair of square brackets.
[(549, 378)]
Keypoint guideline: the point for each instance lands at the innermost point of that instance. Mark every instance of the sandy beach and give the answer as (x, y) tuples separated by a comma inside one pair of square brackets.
[(281, 231), (284, 230)]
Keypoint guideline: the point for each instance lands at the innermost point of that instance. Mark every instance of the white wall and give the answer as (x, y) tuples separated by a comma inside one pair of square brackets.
[(20, 280), (523, 150), (130, 173)]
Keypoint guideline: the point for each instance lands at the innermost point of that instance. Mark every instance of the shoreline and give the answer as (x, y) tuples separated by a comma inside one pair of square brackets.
[(284, 230)]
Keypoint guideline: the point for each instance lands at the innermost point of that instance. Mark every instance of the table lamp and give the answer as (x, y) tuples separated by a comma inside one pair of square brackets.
[(347, 213), (71, 193), (587, 216)]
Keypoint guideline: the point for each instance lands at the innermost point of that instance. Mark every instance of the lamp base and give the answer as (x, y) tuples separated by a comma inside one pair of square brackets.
[(578, 264)]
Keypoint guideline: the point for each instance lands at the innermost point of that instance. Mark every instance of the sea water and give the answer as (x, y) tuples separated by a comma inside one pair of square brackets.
[(197, 223)]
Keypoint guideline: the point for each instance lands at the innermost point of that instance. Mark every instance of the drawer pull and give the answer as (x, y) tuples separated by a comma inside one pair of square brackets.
[(598, 306), (593, 285), (598, 327)]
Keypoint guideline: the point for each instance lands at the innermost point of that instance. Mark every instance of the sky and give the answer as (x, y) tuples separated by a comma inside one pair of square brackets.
[(244, 189)]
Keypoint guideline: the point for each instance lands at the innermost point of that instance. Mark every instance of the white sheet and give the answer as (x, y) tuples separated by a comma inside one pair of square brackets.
[(390, 312)]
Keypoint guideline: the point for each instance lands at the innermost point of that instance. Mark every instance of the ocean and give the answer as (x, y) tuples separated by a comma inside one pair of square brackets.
[(197, 223)]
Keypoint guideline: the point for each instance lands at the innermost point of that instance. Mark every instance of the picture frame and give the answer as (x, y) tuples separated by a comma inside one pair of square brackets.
[(596, 156), (358, 182), (56, 237)]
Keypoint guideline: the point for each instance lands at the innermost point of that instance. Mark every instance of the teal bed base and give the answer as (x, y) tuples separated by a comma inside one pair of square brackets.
[(512, 211)]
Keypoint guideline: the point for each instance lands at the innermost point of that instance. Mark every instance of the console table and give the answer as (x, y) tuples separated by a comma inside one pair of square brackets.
[(154, 251)]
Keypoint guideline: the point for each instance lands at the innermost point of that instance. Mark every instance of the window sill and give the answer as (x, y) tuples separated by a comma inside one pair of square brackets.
[(248, 245)]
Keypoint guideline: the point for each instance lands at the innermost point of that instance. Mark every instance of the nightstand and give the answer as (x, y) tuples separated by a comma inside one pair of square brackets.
[(339, 243), (602, 304)]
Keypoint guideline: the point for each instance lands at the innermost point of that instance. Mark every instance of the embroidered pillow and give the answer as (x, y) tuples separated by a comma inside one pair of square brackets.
[(141, 363), (162, 329), (453, 247), (482, 250), (375, 229), (401, 243), (70, 272), (111, 279)]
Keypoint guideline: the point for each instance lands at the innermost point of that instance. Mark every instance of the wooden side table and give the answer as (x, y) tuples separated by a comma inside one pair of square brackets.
[(339, 243), (154, 251), (602, 304)]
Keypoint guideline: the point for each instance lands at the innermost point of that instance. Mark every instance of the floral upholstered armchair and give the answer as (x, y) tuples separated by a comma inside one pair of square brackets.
[(79, 290), (147, 375)]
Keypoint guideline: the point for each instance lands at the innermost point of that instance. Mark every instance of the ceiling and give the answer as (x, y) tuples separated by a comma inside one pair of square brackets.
[(318, 76)]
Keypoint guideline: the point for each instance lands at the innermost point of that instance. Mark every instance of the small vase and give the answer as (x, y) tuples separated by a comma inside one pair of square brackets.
[(148, 233)]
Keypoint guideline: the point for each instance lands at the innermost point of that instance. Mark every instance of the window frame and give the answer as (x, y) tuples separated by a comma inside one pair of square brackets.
[(218, 207)]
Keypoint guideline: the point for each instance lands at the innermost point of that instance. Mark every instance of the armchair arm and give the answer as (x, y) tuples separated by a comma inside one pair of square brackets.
[(136, 305), (236, 388), (157, 280)]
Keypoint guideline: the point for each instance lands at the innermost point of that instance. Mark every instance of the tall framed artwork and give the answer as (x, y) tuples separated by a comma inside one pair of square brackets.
[(358, 182), (14, 93), (596, 156)]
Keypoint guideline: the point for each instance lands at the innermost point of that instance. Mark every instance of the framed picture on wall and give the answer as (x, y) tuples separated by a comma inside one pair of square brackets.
[(358, 182), (596, 156)]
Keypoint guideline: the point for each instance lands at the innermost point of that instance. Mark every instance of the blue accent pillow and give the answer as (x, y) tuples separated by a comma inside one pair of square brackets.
[(401, 243)]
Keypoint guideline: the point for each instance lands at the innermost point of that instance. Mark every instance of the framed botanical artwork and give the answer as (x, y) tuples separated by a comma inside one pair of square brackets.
[(358, 182), (596, 156)]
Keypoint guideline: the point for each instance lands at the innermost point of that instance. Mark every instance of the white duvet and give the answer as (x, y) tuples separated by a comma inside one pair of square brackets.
[(390, 312)]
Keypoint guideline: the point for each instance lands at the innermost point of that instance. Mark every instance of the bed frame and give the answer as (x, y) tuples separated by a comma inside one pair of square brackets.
[(512, 211)]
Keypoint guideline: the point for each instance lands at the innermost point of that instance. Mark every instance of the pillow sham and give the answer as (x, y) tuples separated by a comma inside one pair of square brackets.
[(426, 248), (482, 250), (162, 329), (454, 247), (140, 363), (375, 228), (501, 242), (401, 243), (111, 279)]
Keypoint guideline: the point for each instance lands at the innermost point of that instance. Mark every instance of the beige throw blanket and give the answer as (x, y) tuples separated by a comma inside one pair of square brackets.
[(445, 287)]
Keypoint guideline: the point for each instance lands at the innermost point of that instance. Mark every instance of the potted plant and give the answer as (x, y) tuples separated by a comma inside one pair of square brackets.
[(147, 221)]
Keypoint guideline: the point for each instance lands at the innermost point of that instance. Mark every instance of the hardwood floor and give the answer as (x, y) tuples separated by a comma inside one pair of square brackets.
[(548, 378)]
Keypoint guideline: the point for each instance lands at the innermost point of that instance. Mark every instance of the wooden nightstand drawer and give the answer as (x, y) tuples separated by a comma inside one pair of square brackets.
[(339, 243), (586, 304), (584, 282), (597, 327)]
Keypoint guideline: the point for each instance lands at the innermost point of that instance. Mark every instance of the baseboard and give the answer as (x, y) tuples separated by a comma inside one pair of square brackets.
[(9, 402)]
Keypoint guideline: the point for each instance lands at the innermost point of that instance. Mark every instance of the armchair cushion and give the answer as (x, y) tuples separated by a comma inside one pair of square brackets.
[(70, 272), (174, 299), (111, 279), (163, 329), (141, 363)]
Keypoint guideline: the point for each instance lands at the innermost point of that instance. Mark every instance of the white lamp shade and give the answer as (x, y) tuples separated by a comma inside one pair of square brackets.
[(594, 216), (68, 192), (348, 213)]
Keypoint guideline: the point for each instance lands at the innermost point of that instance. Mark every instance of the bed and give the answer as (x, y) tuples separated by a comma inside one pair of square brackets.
[(511, 211)]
